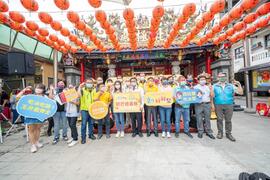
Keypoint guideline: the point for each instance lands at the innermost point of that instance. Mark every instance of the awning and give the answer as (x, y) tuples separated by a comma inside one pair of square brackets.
[(260, 66)]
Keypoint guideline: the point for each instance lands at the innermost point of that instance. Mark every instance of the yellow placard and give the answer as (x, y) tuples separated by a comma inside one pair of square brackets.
[(98, 110), (70, 94), (158, 98), (126, 102)]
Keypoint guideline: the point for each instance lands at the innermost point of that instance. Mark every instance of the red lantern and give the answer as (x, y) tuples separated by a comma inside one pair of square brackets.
[(73, 49), (200, 24), (262, 23), (225, 21), (216, 29), (67, 46), (110, 30), (78, 42), (250, 18), (72, 37), (236, 12), (62, 4), (263, 9), (80, 25), (29, 32), (16, 26), (105, 25), (230, 32), (31, 25), (53, 37), (209, 35), (49, 42), (250, 30), (88, 31), (45, 17), (189, 9), (241, 35), (3, 6), (30, 5), (182, 19), (65, 32), (88, 49), (158, 12), (3, 18), (95, 3), (128, 14), (233, 39), (83, 46), (16, 16), (60, 42), (222, 37), (249, 4), (43, 32), (73, 16), (100, 16), (41, 38), (217, 6), (239, 26), (207, 16), (56, 25), (216, 41)]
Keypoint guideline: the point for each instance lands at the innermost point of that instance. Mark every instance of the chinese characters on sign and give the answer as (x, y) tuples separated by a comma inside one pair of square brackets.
[(158, 98), (188, 96), (98, 110), (126, 102), (68, 95), (39, 107)]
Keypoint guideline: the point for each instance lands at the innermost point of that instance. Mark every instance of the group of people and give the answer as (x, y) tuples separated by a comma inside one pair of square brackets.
[(218, 97)]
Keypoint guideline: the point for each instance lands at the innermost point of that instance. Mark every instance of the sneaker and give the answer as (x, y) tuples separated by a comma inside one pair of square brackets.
[(73, 143), (99, 136), (108, 136), (148, 133), (65, 138), (117, 134), (188, 134), (33, 148), (156, 133), (211, 136), (163, 134), (230, 137), (92, 137), (134, 134), (220, 135), (55, 141), (177, 134), (39, 145), (83, 141), (200, 135), (69, 141), (169, 135), (122, 134), (140, 134)]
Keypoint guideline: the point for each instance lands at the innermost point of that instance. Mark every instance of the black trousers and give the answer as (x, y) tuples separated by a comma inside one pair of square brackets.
[(136, 122), (50, 126), (72, 124)]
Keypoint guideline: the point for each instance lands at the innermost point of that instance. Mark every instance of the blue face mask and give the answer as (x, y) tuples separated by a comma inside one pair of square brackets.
[(183, 83), (190, 80), (165, 82)]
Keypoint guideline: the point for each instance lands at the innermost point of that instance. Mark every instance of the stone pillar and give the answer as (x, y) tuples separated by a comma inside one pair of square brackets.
[(175, 67), (111, 71)]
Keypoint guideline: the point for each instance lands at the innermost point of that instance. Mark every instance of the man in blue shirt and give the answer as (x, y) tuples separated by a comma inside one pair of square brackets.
[(181, 109), (223, 93)]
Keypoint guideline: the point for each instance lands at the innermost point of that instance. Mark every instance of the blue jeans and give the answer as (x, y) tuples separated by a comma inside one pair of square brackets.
[(86, 118), (119, 120), (107, 124), (185, 113), (15, 115), (165, 115), (60, 121)]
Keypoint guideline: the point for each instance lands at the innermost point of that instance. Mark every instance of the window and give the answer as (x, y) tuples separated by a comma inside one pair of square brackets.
[(6, 35), (43, 50), (239, 52), (25, 43), (267, 41)]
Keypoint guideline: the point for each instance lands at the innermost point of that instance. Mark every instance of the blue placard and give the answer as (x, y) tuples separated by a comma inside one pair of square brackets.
[(188, 96), (39, 107)]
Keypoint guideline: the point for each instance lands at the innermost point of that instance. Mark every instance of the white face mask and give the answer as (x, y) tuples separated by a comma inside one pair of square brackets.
[(133, 83), (117, 86), (202, 82)]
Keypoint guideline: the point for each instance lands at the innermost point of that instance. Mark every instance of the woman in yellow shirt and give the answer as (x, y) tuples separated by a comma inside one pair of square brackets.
[(104, 96)]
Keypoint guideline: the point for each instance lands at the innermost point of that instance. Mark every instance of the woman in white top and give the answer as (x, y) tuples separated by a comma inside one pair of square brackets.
[(72, 115), (165, 111)]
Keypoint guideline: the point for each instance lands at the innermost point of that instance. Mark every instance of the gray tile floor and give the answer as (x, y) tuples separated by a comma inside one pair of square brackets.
[(144, 158)]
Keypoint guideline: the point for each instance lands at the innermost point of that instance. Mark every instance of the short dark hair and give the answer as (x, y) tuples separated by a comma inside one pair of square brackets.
[(201, 76)]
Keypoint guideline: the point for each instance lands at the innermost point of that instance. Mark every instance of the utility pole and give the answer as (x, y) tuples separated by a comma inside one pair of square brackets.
[(55, 67)]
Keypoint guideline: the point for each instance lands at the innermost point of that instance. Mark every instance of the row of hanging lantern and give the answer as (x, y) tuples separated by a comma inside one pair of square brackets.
[(215, 8), (101, 17), (128, 15), (157, 14), (187, 12), (234, 14)]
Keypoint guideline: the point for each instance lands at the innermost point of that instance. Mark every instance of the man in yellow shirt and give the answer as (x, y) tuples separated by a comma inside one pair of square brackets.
[(104, 96), (150, 86)]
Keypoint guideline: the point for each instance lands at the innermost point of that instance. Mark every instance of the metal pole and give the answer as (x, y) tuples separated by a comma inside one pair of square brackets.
[(249, 104), (55, 68)]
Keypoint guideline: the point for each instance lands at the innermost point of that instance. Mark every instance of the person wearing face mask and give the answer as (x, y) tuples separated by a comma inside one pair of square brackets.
[(141, 80), (99, 81), (119, 117), (136, 117), (181, 109), (203, 109), (165, 111), (33, 124), (150, 86), (223, 93), (86, 92), (104, 96), (59, 118)]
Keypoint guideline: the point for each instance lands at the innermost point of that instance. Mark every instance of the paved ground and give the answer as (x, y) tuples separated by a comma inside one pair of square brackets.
[(241, 100), (144, 158)]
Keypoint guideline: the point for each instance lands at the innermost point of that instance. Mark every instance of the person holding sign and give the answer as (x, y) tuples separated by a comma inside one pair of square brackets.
[(165, 111), (203, 109), (223, 93), (181, 109), (136, 117), (104, 96), (86, 93), (151, 110), (119, 117), (34, 125)]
